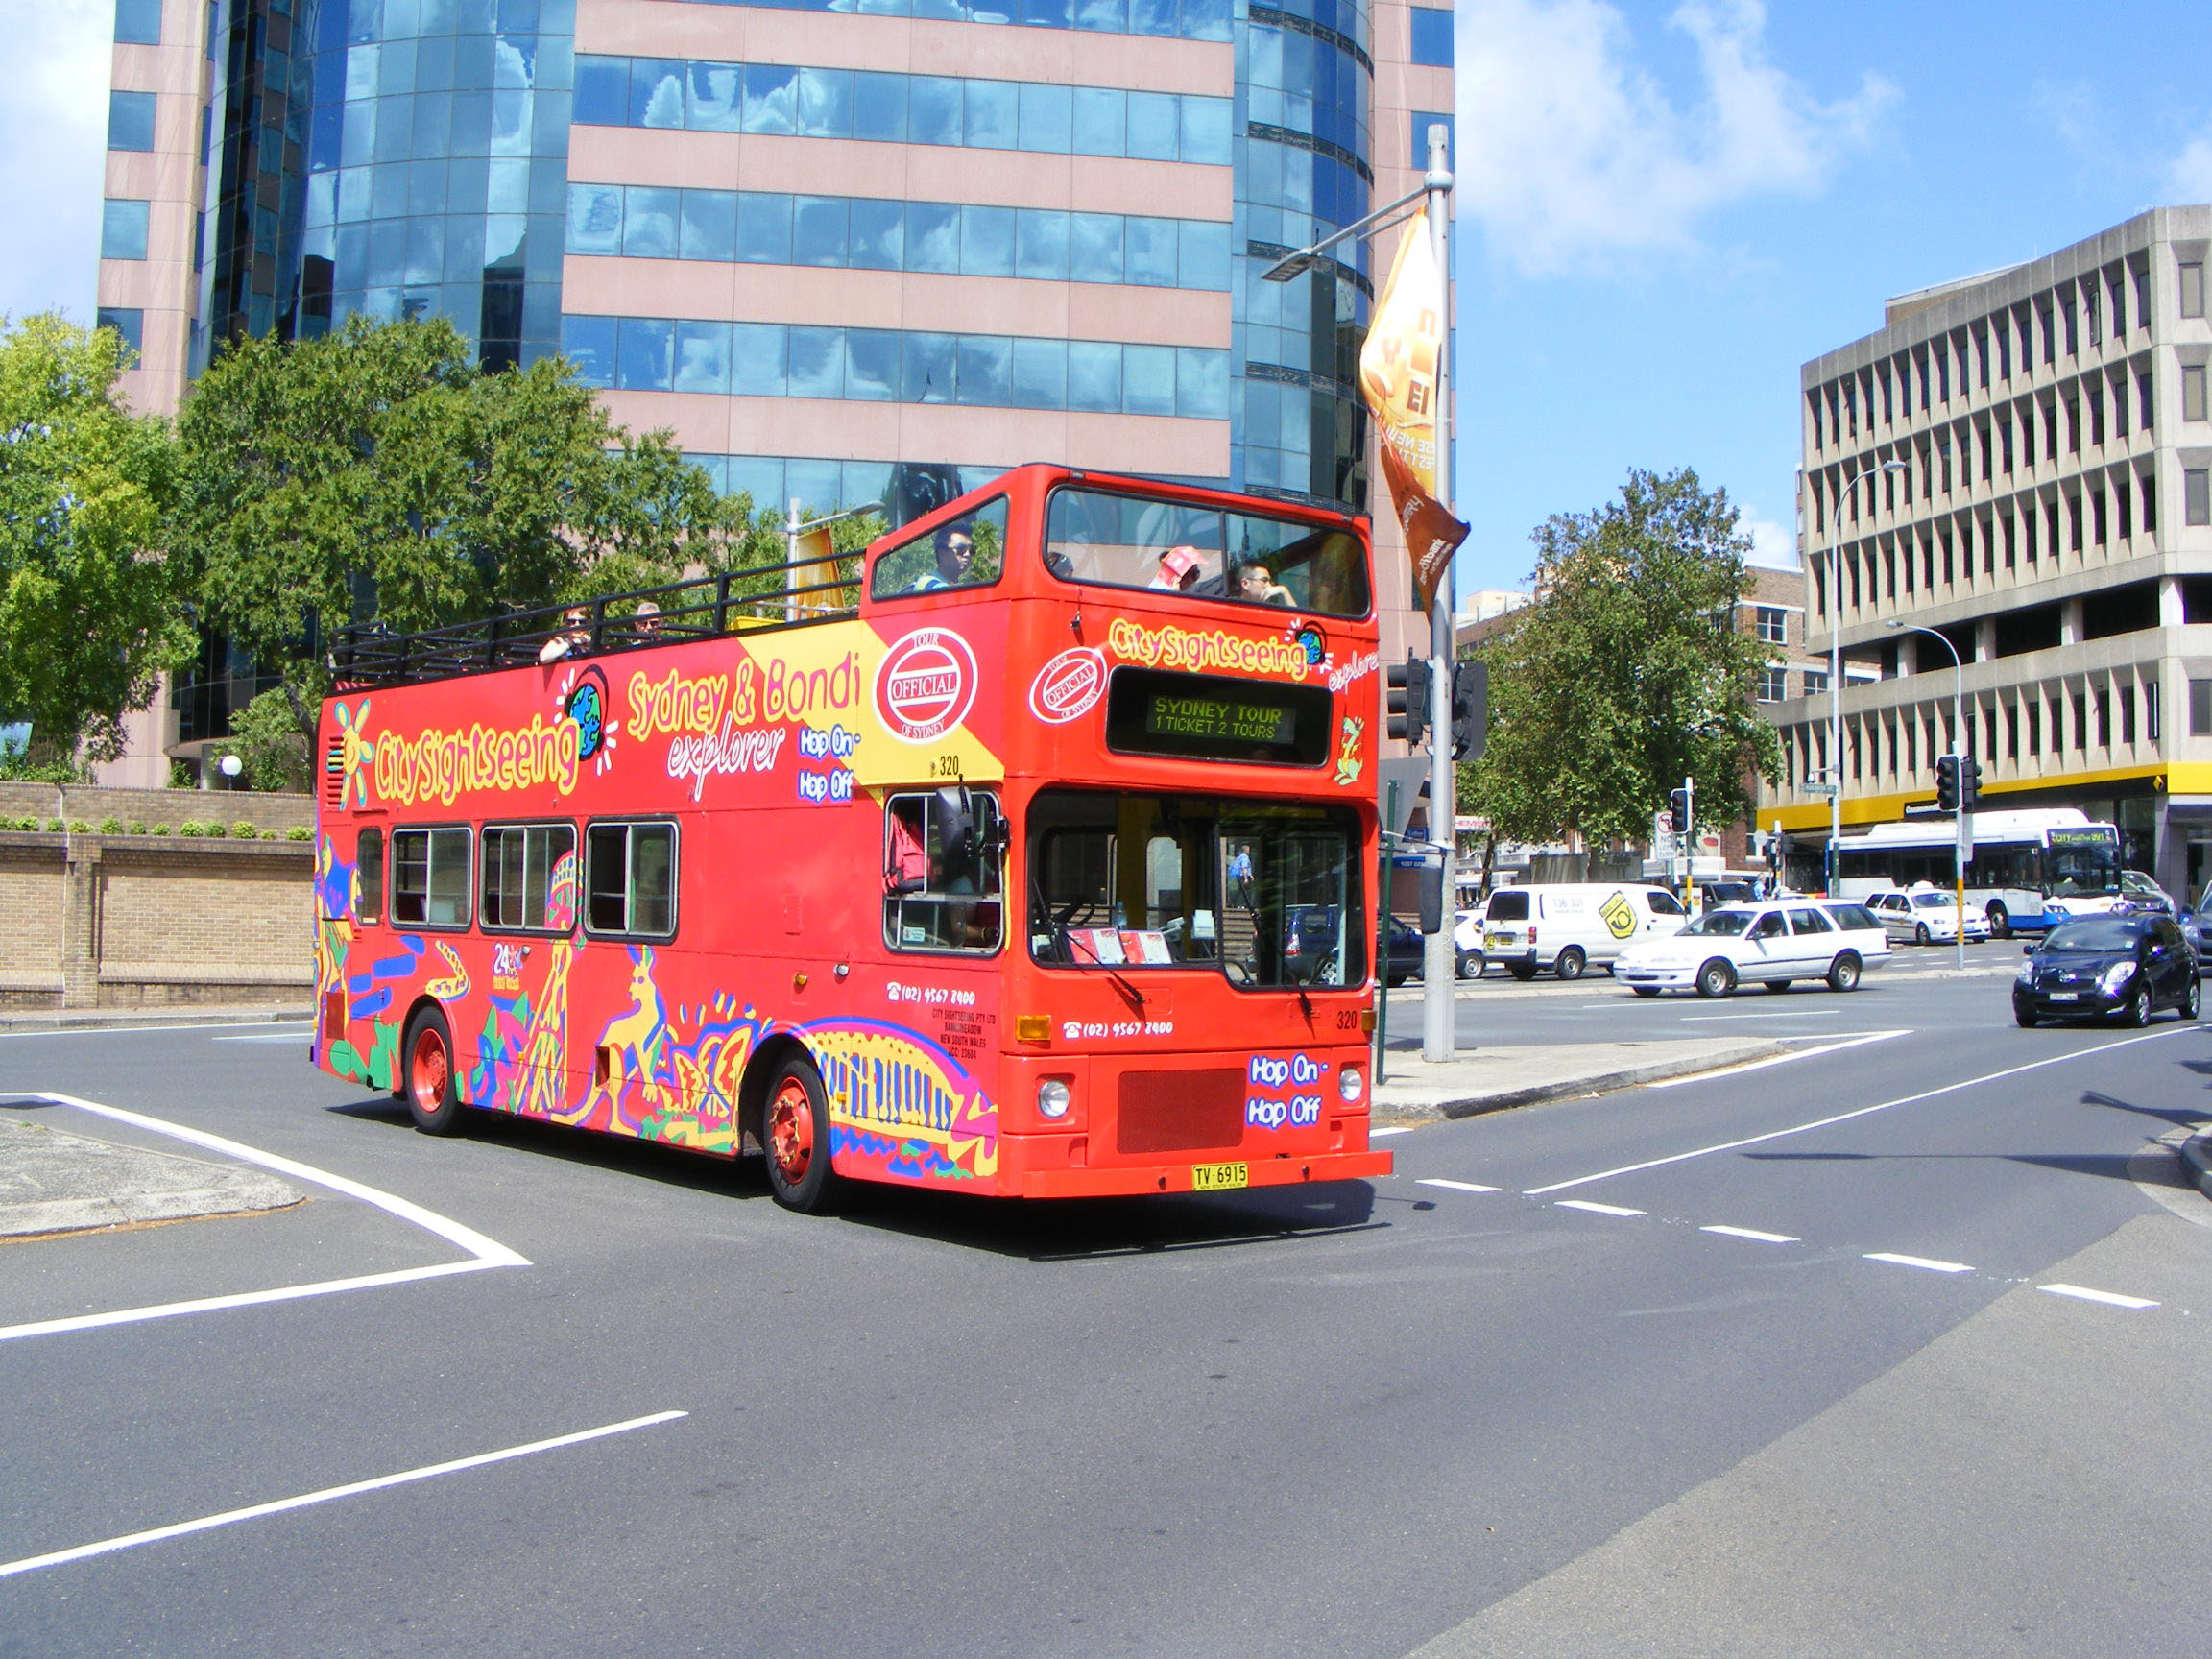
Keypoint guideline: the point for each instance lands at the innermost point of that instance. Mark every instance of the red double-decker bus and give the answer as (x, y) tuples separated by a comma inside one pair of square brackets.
[(1025, 857)]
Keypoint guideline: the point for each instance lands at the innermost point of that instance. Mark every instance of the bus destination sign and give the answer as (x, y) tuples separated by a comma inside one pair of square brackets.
[(1219, 719), (1214, 717)]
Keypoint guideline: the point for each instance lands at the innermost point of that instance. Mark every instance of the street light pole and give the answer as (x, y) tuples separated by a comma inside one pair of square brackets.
[(1836, 670), (1965, 835)]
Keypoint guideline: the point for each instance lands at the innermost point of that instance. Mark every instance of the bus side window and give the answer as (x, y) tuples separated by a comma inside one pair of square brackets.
[(519, 864), (430, 877), (941, 864), (368, 865), (629, 880)]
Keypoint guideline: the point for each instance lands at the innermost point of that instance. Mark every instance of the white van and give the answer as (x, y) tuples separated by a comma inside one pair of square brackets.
[(1568, 927)]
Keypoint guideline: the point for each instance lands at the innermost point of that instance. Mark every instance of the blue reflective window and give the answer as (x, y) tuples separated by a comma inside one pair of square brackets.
[(933, 105), (715, 98), (1047, 119), (702, 355), (130, 120), (649, 222), (602, 91), (1047, 14), (818, 232), (1095, 247), (1431, 36), (1152, 17), (589, 343), (872, 364), (984, 375), (1100, 120), (817, 362), (815, 483), (759, 478), (879, 106), (993, 115), (1206, 19), (1094, 377), (472, 121), (756, 360), (878, 234), (386, 252), (926, 368), (656, 93), (643, 349), (425, 249), (395, 120), (932, 236), (122, 229), (426, 188), (1153, 126), (1041, 245), (137, 22), (771, 98), (1148, 379), (1102, 17), (127, 321), (710, 225), (1204, 136), (1202, 260), (824, 103), (430, 133), (1149, 253), (1039, 375), (764, 228), (434, 64), (987, 241), (1201, 383)]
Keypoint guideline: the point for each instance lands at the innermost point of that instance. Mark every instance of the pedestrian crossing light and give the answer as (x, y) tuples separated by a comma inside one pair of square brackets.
[(1947, 782), (1407, 694)]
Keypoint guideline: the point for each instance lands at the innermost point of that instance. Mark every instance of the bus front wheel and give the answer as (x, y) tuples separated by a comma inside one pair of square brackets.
[(2000, 922), (433, 1094), (796, 1135)]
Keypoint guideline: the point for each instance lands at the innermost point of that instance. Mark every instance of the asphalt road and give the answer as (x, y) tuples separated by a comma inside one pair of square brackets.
[(1761, 1362)]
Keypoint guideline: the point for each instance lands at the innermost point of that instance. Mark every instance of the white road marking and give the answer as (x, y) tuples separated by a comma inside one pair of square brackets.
[(1860, 1111), (1455, 1186), (254, 1512), (1754, 1235), (2104, 1296), (1597, 1209), (1851, 1040), (1921, 1262), (133, 1031), (482, 1252), (1791, 1014), (277, 1037), (1392, 1129)]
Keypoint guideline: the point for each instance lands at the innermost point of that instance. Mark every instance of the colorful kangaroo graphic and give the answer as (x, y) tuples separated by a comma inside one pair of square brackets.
[(630, 1050)]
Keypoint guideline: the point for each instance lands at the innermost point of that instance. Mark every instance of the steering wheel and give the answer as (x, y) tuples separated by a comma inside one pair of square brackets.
[(1238, 973)]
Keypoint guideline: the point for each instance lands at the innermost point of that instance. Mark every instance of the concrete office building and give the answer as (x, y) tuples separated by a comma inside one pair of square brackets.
[(847, 249), (2051, 516)]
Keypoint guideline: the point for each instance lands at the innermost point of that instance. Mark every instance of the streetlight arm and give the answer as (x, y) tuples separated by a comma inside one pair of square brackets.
[(1293, 264)]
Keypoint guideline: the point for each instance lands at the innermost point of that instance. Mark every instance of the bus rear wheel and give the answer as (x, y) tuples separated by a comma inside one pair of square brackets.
[(795, 1133), (433, 1096), (2000, 922)]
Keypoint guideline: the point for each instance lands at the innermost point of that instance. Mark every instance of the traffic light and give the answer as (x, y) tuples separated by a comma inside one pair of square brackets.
[(1678, 808), (1470, 708), (1969, 781), (1409, 700), (1947, 782)]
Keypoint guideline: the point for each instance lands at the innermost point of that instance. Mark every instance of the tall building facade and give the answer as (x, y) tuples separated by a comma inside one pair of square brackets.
[(848, 251), (2022, 464)]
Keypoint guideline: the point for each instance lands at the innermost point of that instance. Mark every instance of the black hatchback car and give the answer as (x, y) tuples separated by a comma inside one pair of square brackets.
[(2122, 965)]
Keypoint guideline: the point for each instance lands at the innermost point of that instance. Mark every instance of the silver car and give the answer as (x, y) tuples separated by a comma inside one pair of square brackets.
[(1925, 915)]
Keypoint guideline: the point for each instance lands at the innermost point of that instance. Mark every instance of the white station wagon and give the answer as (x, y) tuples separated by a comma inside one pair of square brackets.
[(1770, 943)]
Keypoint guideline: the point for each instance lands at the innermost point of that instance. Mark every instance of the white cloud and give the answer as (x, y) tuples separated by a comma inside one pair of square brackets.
[(2189, 175), (53, 145), (1568, 149), (1773, 546)]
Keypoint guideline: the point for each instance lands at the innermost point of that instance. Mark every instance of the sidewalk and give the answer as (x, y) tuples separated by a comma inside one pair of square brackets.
[(1491, 1079), (174, 1013), (52, 1181)]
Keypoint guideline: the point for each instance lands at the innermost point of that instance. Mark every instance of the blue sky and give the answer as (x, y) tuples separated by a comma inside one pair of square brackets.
[(1664, 208)]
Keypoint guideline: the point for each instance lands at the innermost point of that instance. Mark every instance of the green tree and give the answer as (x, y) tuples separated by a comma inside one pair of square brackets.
[(88, 608), (267, 738), (1628, 673), (377, 472)]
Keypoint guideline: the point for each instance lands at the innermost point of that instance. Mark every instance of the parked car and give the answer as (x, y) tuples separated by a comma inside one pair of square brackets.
[(1774, 943), (2122, 966), (2197, 929), (2139, 892), (1467, 955), (1568, 927), (1310, 948), (1925, 915)]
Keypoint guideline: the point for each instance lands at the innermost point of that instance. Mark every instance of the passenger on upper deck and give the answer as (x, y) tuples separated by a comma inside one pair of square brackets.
[(956, 550), (1256, 584), (1179, 569), (574, 637)]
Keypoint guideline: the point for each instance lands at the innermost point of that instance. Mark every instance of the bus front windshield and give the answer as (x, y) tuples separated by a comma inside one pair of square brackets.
[(1267, 893), (1204, 552), (2078, 869)]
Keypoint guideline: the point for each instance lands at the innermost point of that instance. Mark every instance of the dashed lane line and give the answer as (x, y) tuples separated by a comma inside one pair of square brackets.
[(2108, 1298), (1754, 1235), (1597, 1209), (1929, 1263), (1456, 1185)]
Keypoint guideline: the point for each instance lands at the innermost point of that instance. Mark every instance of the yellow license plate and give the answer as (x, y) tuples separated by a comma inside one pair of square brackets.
[(1220, 1177)]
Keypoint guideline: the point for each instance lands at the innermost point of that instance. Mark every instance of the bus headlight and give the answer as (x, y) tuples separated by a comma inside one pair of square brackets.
[(1351, 1085), (1053, 1098)]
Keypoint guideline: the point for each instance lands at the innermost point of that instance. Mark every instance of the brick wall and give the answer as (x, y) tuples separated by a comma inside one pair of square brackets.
[(128, 921), (90, 805)]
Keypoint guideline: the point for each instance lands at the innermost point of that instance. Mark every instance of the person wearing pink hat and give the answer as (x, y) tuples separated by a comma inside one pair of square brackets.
[(1180, 568)]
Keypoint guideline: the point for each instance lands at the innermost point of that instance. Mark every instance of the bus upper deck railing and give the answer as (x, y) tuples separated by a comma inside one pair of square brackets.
[(756, 597)]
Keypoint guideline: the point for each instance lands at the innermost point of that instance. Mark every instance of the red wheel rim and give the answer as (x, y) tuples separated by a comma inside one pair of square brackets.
[(791, 1131), (429, 1069)]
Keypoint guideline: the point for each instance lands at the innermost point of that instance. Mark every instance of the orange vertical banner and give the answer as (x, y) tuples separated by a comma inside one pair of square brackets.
[(1398, 379)]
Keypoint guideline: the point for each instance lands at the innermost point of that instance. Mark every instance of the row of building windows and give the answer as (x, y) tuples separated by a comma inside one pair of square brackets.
[(1177, 19), (780, 98), (1941, 553), (762, 228), (895, 365), (2028, 724), (1992, 349), (1773, 685)]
